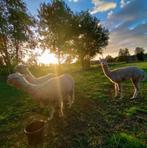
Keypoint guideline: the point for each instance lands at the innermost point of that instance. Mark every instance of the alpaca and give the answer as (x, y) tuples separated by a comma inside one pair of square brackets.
[(118, 75), (23, 69), (50, 93)]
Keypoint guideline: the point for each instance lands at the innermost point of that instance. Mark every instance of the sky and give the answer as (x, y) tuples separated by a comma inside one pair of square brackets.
[(126, 20)]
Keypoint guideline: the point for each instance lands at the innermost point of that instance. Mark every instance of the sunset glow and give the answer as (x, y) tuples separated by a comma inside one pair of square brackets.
[(125, 19), (47, 58)]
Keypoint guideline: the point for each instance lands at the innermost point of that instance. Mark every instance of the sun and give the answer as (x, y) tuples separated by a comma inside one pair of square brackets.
[(47, 58)]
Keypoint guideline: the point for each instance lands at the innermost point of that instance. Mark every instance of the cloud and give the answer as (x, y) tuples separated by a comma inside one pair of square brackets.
[(101, 6), (128, 27), (73, 1), (123, 3), (127, 39), (123, 37), (110, 13), (132, 12)]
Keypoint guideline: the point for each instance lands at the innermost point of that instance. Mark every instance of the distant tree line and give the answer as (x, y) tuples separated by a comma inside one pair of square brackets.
[(125, 56)]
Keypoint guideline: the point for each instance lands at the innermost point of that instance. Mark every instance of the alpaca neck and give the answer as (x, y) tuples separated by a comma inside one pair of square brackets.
[(27, 87), (30, 74), (106, 70)]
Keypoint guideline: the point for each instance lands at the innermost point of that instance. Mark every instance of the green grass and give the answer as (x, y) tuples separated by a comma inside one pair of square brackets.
[(124, 140), (96, 118), (135, 110)]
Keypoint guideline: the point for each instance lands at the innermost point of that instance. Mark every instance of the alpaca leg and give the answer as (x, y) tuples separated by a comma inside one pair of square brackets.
[(120, 90), (116, 89), (69, 101), (72, 98), (51, 113), (73, 95), (61, 109), (135, 94), (136, 89)]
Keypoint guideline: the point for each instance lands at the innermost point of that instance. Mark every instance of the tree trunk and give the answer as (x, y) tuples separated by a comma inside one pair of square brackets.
[(82, 61), (5, 56), (5, 53), (17, 48), (85, 63)]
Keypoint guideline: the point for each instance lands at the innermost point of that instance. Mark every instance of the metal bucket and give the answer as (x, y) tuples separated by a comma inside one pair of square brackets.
[(35, 132)]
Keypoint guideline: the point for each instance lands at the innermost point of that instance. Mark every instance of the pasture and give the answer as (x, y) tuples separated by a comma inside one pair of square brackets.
[(96, 118)]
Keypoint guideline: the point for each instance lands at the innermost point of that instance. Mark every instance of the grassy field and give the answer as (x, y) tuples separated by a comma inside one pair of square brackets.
[(96, 119)]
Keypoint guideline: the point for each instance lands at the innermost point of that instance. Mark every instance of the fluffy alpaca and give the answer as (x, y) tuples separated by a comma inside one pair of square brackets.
[(50, 93), (119, 75), (23, 69)]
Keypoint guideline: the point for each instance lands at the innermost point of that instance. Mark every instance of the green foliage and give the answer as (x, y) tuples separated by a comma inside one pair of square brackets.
[(54, 26), (123, 55), (78, 34), (124, 140), (110, 58), (134, 110), (139, 52), (89, 37), (4, 71), (14, 29)]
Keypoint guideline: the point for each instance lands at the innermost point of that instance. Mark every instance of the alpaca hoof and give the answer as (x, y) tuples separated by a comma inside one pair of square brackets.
[(132, 98), (137, 97)]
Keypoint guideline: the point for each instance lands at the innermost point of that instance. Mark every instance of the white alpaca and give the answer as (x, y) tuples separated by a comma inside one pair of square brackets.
[(50, 93), (23, 69), (117, 76)]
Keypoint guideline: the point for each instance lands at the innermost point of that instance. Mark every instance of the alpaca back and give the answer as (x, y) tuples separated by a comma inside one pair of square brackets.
[(45, 78), (57, 86), (67, 83), (126, 73)]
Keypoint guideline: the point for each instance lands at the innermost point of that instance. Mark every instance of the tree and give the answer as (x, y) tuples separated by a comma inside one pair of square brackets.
[(14, 30), (139, 52), (109, 58), (54, 26), (89, 37), (66, 33), (123, 55)]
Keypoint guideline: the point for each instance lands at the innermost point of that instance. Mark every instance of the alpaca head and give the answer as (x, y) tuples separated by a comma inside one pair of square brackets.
[(21, 68), (103, 62), (15, 79)]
